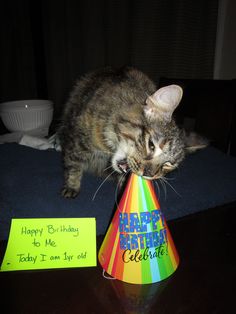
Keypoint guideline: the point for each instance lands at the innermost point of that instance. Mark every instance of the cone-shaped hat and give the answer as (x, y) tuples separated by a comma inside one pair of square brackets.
[(138, 247)]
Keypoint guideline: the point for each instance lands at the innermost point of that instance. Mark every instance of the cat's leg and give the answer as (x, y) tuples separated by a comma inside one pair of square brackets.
[(72, 181), (73, 172)]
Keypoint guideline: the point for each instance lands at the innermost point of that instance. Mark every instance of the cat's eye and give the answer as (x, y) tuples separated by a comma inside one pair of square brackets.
[(151, 145)]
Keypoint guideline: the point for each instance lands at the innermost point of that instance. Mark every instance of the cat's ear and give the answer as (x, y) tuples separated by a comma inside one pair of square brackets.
[(163, 102), (194, 142)]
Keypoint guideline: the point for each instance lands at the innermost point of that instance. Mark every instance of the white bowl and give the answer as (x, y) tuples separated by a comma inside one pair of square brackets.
[(32, 116)]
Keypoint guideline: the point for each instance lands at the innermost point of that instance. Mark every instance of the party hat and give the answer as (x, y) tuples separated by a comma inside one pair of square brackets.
[(138, 247)]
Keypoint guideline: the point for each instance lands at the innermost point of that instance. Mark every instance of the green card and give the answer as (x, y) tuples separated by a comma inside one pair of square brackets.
[(45, 243)]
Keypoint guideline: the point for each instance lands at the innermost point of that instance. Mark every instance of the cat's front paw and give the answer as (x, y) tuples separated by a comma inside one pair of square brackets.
[(69, 193)]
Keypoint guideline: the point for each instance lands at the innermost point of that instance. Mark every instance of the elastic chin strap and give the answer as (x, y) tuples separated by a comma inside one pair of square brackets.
[(107, 277)]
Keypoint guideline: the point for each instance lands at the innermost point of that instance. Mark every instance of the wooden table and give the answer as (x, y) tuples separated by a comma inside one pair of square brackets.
[(203, 283)]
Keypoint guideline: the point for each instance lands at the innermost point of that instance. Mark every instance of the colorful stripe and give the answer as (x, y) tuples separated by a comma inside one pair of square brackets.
[(138, 247)]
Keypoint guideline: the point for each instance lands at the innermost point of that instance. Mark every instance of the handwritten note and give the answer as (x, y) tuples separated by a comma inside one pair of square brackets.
[(45, 243)]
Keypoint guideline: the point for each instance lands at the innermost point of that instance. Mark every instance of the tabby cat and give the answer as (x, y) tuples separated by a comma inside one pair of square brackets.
[(117, 121)]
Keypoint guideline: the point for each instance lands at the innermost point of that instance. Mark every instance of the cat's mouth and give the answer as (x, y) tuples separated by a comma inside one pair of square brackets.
[(123, 165)]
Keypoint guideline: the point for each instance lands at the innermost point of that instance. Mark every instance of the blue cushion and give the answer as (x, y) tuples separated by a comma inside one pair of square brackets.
[(30, 183)]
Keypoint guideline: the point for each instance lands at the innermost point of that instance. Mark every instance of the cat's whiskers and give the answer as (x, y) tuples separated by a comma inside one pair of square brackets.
[(107, 177), (158, 188), (170, 179), (117, 186), (170, 185), (109, 167), (163, 186)]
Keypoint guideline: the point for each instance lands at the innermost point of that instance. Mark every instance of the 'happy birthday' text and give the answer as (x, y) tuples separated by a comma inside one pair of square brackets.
[(139, 230)]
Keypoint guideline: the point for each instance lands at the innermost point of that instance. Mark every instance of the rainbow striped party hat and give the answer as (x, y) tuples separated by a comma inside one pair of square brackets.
[(138, 247)]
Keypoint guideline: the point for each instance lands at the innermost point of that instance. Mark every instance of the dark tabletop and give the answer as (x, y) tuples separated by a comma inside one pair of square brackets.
[(203, 283)]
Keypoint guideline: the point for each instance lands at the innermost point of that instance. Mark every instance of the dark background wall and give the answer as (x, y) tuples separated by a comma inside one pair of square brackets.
[(46, 45)]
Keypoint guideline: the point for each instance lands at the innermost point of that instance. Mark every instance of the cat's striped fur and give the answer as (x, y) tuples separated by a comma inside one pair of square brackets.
[(117, 120)]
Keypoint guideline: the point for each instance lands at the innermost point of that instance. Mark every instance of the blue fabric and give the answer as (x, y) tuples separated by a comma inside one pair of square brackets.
[(30, 183)]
